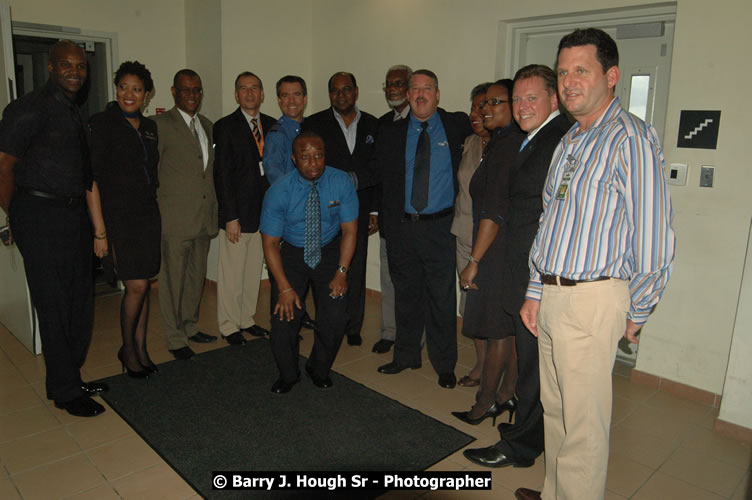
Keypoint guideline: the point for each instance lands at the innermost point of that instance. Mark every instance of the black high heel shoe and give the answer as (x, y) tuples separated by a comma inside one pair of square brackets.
[(132, 373), (510, 405), (493, 412)]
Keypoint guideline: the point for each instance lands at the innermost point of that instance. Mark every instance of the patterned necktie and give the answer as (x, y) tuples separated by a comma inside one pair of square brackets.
[(312, 247), (193, 130), (257, 135), (524, 143), (421, 170)]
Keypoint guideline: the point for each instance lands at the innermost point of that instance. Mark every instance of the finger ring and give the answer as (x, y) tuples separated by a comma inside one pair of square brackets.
[(466, 287)]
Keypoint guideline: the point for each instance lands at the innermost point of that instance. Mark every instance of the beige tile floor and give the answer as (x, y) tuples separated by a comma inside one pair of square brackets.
[(662, 447)]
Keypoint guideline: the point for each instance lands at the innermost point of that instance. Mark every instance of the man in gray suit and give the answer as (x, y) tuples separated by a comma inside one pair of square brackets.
[(188, 206)]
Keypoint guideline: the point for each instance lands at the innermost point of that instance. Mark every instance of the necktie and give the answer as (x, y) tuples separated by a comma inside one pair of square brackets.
[(421, 170), (524, 143), (193, 130), (312, 246), (257, 135)]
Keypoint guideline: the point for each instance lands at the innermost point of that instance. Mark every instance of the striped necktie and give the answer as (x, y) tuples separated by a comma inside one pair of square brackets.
[(312, 245)]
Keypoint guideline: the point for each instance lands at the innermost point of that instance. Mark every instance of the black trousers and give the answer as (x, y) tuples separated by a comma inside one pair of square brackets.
[(356, 292), (330, 313), (55, 241), (422, 264), (524, 439)]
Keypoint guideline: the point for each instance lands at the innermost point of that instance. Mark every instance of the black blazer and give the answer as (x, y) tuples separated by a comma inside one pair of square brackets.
[(338, 154), (526, 180), (237, 180), (388, 163)]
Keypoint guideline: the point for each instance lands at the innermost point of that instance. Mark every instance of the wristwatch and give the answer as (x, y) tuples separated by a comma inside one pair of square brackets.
[(342, 269)]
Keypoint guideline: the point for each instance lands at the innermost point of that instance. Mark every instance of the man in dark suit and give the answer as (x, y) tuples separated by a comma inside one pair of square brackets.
[(418, 158), (240, 185), (536, 110), (395, 93), (349, 137), (188, 206)]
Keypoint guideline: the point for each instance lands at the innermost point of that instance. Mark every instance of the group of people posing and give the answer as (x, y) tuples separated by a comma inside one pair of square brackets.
[(548, 201)]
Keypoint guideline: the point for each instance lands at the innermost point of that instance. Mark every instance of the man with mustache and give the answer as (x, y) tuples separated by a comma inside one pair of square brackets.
[(44, 175), (349, 135), (598, 265), (395, 92), (418, 159)]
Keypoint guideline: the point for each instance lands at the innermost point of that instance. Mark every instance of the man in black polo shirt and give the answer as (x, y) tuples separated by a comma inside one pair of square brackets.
[(44, 175)]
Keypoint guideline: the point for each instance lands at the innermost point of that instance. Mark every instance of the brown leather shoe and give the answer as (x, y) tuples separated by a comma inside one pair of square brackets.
[(527, 494)]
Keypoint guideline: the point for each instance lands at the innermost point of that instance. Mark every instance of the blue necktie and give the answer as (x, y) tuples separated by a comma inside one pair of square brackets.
[(312, 247), (524, 143)]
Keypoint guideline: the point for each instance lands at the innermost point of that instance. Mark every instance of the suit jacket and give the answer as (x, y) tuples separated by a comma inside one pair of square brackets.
[(238, 182), (526, 180), (388, 163), (338, 154), (187, 202)]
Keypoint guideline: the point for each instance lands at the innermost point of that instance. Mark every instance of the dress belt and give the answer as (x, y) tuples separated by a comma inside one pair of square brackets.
[(435, 215), (69, 201), (550, 279)]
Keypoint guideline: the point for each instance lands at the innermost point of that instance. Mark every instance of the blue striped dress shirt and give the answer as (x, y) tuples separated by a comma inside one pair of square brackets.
[(615, 217)]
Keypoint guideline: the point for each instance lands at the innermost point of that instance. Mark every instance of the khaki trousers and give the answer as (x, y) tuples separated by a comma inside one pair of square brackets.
[(238, 280), (579, 328), (181, 283)]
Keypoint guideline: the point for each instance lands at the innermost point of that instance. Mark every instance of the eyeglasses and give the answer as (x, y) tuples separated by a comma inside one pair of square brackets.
[(398, 84), (186, 90), (491, 102), (343, 90)]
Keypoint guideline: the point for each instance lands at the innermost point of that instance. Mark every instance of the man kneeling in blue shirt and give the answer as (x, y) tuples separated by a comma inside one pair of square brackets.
[(309, 221)]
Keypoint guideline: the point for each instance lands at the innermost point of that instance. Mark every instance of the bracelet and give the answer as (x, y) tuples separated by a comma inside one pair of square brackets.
[(285, 290), (472, 259), (101, 236)]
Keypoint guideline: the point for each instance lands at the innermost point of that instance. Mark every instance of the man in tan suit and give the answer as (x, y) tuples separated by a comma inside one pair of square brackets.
[(188, 206)]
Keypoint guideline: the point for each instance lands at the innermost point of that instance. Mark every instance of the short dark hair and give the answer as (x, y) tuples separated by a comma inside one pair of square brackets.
[(509, 85), (425, 72), (479, 89), (605, 48), (135, 68), (307, 134), (248, 73), (184, 72), (542, 71), (292, 79), (344, 73)]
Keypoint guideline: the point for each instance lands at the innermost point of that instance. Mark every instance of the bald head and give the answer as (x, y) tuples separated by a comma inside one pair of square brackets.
[(67, 65)]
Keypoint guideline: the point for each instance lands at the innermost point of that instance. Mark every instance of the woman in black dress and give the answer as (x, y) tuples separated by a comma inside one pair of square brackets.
[(482, 277), (123, 205)]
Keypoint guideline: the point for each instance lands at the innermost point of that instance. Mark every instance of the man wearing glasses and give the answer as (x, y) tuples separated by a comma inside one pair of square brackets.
[(395, 93), (349, 135), (188, 205)]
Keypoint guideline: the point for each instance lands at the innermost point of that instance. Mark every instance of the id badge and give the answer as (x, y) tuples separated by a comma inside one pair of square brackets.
[(561, 193)]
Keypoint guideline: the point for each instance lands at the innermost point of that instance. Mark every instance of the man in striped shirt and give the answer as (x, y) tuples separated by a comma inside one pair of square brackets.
[(598, 265)]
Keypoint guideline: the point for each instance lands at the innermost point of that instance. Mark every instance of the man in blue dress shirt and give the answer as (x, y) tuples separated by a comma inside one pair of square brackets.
[(292, 96), (309, 223)]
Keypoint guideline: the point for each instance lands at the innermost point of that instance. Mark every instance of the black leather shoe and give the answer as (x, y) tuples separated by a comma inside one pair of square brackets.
[(392, 368), (256, 331), (235, 339), (94, 388), (307, 322), (382, 346), (527, 494), (281, 387), (82, 406), (321, 383), (202, 338), (447, 380), (492, 457), (183, 353), (354, 340)]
